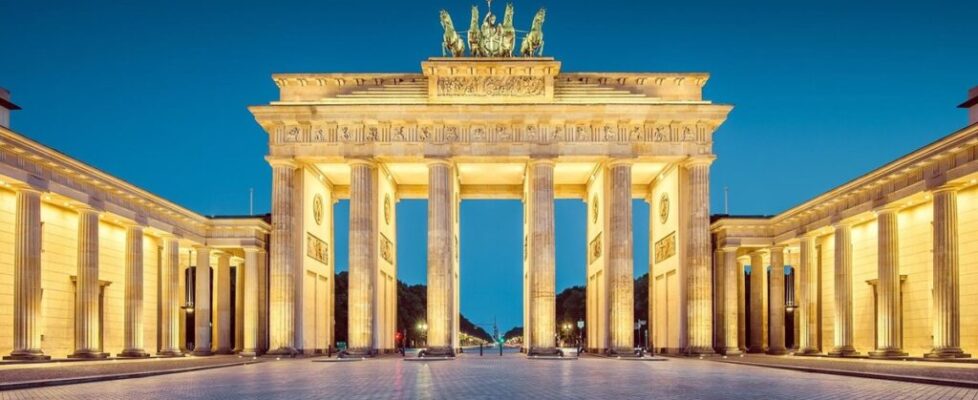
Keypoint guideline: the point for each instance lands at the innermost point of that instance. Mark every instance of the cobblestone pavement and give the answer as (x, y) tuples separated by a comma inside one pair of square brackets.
[(959, 371), (74, 369), (508, 377)]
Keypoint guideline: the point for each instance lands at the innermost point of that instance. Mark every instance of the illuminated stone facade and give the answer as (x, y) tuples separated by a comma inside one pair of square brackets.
[(883, 266), (485, 128), (92, 266)]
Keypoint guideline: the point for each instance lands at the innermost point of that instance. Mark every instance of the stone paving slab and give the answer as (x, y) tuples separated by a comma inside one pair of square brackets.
[(509, 377), (19, 376), (955, 374)]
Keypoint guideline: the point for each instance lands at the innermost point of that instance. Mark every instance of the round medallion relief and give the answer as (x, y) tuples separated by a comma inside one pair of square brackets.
[(317, 209), (664, 208), (387, 209)]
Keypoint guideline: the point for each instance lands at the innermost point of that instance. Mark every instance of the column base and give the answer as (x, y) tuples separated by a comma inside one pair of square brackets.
[(755, 350), (731, 351), (888, 353), (807, 352), (952, 352), (699, 351), (202, 353), (229, 351), (777, 352), (170, 353), (248, 353), (844, 352), (283, 351), (27, 356), (88, 355), (133, 353)]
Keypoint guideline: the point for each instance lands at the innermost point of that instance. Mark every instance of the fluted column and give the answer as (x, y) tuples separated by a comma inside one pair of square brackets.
[(440, 295), (843, 292), (363, 256), (888, 303), (263, 318), (239, 307), (222, 285), (946, 319), (807, 313), (27, 277), (202, 303), (731, 278), (133, 324), (281, 325), (699, 293), (756, 322), (776, 303), (87, 339), (542, 254), (621, 278), (251, 288), (170, 299)]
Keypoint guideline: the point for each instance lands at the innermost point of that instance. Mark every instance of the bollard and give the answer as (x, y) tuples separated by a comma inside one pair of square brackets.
[(500, 349), (480, 349)]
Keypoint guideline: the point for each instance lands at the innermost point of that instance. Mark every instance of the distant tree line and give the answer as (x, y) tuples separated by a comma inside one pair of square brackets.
[(412, 303)]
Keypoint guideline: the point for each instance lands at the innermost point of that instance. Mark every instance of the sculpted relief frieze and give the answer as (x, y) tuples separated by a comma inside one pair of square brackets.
[(511, 86), (569, 132)]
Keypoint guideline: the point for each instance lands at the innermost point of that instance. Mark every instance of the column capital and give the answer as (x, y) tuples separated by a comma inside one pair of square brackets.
[(776, 248), (251, 249), (947, 187), (362, 161), (698, 160), (282, 162), (432, 161), (891, 208), (542, 160), (615, 162), (25, 187), (729, 249)]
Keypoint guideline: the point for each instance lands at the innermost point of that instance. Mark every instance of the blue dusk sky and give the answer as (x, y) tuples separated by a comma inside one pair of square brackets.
[(156, 93)]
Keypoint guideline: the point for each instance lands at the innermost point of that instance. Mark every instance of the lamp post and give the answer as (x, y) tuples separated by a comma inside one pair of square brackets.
[(423, 328), (580, 335)]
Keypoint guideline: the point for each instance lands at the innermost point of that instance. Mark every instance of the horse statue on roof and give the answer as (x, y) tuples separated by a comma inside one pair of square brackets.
[(451, 41), (533, 42), (475, 35)]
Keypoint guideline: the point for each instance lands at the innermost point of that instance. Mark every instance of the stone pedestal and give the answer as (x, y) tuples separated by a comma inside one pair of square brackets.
[(27, 277)]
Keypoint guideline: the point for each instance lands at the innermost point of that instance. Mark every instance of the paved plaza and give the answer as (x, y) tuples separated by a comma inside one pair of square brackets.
[(507, 377)]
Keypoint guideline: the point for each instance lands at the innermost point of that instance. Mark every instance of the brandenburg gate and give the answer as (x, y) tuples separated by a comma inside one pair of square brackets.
[(489, 128)]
